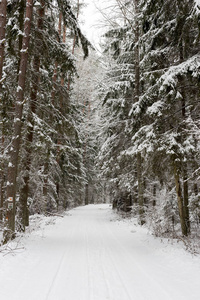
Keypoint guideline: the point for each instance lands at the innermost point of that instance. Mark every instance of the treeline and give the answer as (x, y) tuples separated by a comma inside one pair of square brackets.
[(150, 153), (41, 152)]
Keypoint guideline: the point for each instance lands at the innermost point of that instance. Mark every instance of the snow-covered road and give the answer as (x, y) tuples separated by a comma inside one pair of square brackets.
[(88, 256)]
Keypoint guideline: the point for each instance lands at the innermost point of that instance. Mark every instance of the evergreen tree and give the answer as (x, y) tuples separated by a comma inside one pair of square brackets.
[(45, 159), (164, 82)]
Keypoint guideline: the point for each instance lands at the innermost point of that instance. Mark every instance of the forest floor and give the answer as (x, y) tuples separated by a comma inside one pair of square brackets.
[(91, 255)]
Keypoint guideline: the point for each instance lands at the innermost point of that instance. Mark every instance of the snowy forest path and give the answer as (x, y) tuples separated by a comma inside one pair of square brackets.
[(88, 255)]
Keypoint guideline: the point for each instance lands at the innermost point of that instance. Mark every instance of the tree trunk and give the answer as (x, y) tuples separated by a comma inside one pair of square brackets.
[(2, 174), (180, 200), (45, 183), (21, 28), (154, 195), (185, 177), (136, 99), (61, 105), (196, 192), (23, 210), (186, 200), (55, 75), (3, 6), (74, 41), (137, 55), (186, 216), (140, 189), (86, 194), (1, 195), (9, 231)]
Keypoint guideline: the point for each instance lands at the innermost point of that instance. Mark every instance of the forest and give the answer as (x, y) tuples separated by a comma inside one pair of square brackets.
[(122, 126)]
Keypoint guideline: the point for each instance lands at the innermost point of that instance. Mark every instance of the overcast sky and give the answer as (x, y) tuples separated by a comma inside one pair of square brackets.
[(91, 19)]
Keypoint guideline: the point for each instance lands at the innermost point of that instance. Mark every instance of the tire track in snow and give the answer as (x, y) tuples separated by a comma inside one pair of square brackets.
[(105, 275), (94, 248), (143, 274), (73, 265), (109, 258), (100, 263), (55, 275), (88, 266), (120, 280), (110, 294), (67, 253)]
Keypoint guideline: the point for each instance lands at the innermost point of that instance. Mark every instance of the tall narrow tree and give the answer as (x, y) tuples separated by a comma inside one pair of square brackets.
[(3, 6), (9, 231), (24, 192)]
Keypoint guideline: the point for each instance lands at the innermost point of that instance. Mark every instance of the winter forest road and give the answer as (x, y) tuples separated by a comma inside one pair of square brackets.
[(88, 255)]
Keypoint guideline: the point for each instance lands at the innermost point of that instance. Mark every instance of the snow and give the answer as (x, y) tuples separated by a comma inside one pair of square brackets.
[(2, 41), (19, 88), (37, 4), (155, 108), (197, 2), (16, 120), (92, 19), (24, 50), (170, 77), (90, 255)]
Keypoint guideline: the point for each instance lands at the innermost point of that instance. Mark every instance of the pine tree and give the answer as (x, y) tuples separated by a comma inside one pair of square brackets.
[(14, 149), (164, 73), (3, 14), (163, 48), (24, 191), (45, 159)]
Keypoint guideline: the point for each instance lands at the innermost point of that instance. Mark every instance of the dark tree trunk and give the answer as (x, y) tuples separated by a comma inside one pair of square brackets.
[(136, 99), (45, 183), (154, 195), (186, 200), (180, 200), (137, 55), (24, 192), (185, 177), (21, 28), (9, 231), (196, 192), (2, 180), (58, 127), (3, 6), (140, 189), (86, 194), (183, 137)]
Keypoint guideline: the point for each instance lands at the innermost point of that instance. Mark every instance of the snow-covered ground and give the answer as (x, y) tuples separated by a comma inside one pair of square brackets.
[(89, 255)]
